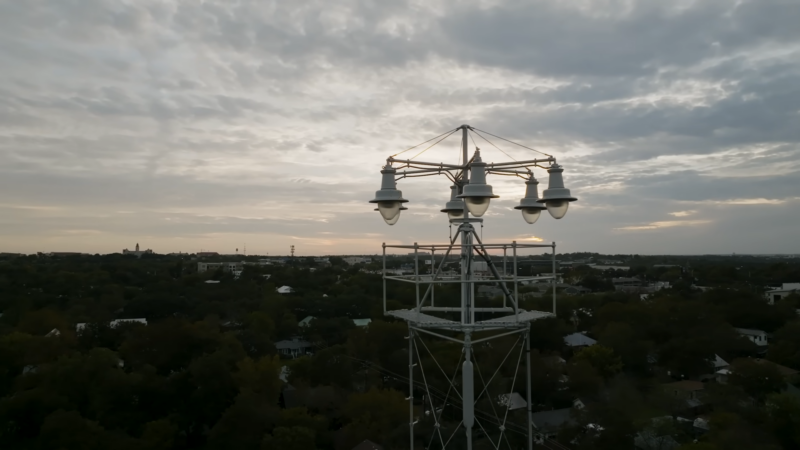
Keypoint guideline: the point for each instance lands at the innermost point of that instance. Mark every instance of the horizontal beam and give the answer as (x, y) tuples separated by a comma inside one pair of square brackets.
[(458, 281), (454, 309), (423, 163), (492, 246), (519, 330), (520, 164)]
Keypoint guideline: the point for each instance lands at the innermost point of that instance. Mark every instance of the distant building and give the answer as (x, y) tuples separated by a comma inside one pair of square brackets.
[(53, 333), (306, 322), (512, 401), (225, 266), (621, 283), (575, 340), (285, 290), (350, 260), (608, 267), (137, 253), (203, 254), (577, 290), (757, 337), (362, 322), (781, 293), (114, 323), (293, 348)]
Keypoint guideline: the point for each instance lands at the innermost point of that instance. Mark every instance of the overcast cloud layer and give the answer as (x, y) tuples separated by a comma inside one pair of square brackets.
[(196, 125)]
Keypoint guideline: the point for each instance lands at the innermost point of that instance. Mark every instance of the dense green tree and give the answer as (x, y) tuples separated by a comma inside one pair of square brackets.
[(756, 378), (290, 438), (784, 419), (584, 379), (374, 415), (244, 424), (603, 359), (785, 346)]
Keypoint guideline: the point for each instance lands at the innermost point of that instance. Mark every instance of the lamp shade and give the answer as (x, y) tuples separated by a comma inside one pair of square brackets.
[(530, 206), (455, 207), (388, 198), (477, 193), (396, 217), (556, 197)]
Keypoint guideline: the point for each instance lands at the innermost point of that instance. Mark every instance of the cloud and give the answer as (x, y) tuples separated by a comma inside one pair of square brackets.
[(213, 123), (665, 224), (747, 201)]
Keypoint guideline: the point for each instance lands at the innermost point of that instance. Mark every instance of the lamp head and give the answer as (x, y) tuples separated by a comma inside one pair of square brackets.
[(455, 207), (388, 198), (530, 206), (477, 193), (556, 197)]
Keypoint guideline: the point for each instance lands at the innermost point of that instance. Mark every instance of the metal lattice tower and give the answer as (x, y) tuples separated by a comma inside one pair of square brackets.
[(459, 324)]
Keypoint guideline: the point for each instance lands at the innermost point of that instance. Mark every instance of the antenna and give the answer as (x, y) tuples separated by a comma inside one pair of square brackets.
[(292, 251)]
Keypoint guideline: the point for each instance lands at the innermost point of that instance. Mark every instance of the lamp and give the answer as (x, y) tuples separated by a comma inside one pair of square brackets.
[(556, 197), (388, 198), (455, 207), (530, 206), (477, 193)]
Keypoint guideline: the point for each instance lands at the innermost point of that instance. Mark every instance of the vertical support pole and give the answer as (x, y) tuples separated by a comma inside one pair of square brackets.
[(410, 387), (433, 267), (505, 272), (416, 272), (554, 278), (468, 389), (466, 235), (528, 373), (516, 283), (471, 286), (384, 278)]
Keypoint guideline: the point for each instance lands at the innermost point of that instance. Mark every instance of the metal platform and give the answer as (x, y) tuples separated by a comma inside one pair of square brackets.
[(422, 320)]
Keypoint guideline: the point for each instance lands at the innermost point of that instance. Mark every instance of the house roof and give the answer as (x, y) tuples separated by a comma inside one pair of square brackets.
[(306, 321), (285, 290), (294, 344), (368, 445), (750, 332), (361, 322), (578, 340), (550, 420), (53, 333), (515, 402), (625, 280), (792, 390), (686, 385), (719, 362), (648, 439)]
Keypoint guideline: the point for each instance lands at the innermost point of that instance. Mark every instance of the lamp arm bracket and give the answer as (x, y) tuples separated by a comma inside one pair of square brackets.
[(411, 163)]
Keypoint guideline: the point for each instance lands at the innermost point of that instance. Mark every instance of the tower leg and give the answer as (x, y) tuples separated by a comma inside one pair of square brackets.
[(410, 388), (528, 374), (468, 385)]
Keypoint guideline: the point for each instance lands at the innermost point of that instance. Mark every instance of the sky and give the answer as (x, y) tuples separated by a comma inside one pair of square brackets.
[(217, 125)]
